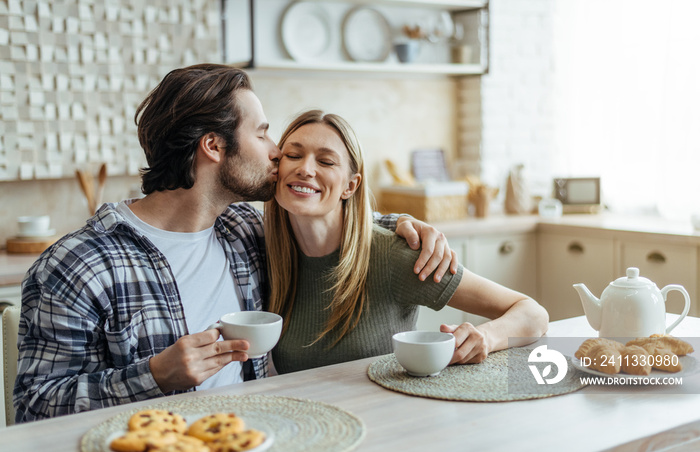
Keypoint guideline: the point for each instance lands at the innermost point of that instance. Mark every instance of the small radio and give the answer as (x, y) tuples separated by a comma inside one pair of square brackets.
[(578, 194)]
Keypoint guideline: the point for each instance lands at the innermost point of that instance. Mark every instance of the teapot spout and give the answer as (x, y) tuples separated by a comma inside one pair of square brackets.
[(591, 306)]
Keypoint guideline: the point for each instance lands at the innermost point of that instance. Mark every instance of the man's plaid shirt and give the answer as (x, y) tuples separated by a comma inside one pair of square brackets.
[(102, 300)]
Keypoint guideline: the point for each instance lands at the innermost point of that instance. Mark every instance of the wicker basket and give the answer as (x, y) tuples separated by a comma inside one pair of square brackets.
[(431, 203)]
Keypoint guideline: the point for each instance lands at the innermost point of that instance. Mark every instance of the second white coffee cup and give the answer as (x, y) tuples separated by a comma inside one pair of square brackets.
[(260, 328), (423, 353)]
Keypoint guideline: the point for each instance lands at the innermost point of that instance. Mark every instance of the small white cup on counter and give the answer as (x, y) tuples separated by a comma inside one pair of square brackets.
[(423, 353), (550, 208), (260, 328), (695, 220), (33, 225)]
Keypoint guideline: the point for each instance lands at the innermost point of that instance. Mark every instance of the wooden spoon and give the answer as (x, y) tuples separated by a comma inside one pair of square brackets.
[(101, 179), (85, 181)]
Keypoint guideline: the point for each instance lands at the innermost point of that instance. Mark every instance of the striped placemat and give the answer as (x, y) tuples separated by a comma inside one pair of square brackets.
[(504, 376), (292, 424)]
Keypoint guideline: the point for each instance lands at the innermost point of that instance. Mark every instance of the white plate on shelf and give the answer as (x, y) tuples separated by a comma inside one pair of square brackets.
[(366, 35), (306, 31), (689, 364)]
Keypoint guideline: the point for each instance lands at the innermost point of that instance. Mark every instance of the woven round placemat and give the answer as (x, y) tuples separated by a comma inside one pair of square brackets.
[(293, 424), (496, 379)]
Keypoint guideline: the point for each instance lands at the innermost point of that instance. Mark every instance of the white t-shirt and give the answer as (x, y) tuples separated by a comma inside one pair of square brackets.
[(204, 281)]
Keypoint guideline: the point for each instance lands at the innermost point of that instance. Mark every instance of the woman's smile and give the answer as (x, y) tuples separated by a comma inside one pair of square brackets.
[(303, 189)]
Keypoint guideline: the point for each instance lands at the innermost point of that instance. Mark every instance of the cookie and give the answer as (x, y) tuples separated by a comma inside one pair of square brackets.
[(184, 444), (159, 420), (238, 442), (216, 426), (143, 440)]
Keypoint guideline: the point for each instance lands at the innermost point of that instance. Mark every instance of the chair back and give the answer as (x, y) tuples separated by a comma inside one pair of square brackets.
[(10, 331)]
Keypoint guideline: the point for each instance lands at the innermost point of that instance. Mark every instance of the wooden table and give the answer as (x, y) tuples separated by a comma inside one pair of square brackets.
[(628, 418)]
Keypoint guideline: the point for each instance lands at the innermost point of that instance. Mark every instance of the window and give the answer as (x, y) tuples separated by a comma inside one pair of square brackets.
[(628, 101)]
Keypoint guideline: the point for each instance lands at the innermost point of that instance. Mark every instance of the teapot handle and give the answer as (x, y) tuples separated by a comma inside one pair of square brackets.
[(682, 290)]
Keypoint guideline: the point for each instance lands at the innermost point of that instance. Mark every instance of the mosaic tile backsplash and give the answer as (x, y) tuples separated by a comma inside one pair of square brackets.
[(72, 73)]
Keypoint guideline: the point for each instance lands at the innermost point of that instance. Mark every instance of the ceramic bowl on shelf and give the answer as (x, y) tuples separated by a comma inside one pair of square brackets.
[(407, 51)]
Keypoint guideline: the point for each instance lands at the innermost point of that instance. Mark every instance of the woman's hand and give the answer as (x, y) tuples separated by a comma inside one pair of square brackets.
[(436, 254), (471, 345)]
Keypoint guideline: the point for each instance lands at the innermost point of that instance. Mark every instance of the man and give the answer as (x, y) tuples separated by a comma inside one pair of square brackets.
[(117, 311)]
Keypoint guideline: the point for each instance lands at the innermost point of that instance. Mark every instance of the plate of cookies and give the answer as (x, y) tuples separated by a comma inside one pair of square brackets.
[(645, 357), (231, 423), (154, 429)]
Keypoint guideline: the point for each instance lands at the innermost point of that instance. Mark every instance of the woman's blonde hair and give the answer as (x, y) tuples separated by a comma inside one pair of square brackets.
[(350, 275)]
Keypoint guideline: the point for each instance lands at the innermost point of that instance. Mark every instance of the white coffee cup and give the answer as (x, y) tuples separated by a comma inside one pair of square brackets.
[(423, 353), (260, 328), (33, 225)]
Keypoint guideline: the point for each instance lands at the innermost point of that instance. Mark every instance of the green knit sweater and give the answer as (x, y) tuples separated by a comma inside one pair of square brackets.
[(393, 298)]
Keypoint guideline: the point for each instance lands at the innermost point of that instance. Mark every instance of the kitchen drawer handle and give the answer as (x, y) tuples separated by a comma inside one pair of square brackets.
[(656, 257), (576, 248), (506, 248)]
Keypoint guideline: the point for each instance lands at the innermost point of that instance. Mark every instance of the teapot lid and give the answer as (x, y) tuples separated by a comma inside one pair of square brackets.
[(632, 279)]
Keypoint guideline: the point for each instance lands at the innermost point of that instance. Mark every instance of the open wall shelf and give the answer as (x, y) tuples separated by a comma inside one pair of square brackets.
[(258, 34)]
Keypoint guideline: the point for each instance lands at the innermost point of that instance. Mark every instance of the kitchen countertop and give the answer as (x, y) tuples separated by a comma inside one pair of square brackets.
[(14, 266), (668, 229), (604, 223), (495, 224)]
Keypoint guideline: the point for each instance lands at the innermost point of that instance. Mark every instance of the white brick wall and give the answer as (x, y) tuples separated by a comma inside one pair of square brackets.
[(515, 98)]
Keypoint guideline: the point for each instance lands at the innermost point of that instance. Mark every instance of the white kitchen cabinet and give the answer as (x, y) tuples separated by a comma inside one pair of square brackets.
[(508, 259), (253, 36), (664, 263), (564, 260), (591, 249)]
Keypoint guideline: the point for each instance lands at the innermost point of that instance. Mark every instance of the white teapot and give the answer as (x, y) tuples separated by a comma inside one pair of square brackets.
[(630, 306)]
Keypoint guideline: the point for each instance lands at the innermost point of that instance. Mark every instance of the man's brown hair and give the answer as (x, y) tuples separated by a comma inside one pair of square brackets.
[(186, 105)]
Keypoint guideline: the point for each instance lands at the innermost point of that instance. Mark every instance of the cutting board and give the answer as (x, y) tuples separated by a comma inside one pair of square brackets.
[(18, 245)]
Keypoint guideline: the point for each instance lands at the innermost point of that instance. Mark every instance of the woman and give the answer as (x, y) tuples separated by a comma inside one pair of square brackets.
[(343, 286)]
